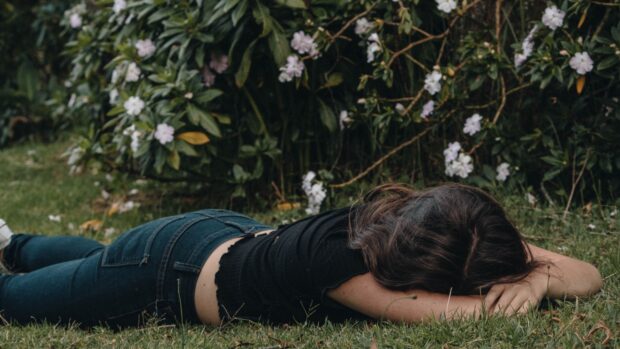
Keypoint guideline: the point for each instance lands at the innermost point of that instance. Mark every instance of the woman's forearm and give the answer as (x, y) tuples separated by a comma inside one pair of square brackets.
[(566, 277)]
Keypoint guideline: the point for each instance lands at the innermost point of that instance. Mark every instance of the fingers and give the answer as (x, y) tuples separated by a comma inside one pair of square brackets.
[(505, 303), (517, 301), (492, 296)]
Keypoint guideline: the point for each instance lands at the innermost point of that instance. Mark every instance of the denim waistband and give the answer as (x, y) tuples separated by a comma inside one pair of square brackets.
[(187, 248)]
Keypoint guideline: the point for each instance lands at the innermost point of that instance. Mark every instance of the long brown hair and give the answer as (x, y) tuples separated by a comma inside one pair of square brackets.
[(451, 238)]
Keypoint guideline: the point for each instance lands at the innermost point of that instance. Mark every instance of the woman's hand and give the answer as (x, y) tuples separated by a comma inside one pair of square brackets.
[(518, 297)]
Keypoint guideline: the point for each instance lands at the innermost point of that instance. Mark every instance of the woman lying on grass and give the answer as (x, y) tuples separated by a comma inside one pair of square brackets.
[(400, 255)]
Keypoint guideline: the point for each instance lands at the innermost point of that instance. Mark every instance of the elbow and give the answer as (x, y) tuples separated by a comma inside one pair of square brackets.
[(595, 281)]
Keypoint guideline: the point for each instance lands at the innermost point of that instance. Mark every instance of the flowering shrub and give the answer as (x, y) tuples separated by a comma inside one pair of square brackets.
[(254, 91)]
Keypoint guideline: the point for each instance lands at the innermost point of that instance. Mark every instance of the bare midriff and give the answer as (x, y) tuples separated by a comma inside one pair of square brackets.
[(205, 295)]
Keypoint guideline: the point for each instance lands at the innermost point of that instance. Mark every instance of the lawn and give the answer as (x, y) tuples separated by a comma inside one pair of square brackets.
[(34, 184)]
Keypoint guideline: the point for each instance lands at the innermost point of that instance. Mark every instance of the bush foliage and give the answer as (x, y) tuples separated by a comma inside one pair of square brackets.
[(32, 69), (241, 94)]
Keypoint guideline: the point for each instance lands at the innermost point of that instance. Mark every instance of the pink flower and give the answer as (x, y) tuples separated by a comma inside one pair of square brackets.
[(219, 63), (208, 77)]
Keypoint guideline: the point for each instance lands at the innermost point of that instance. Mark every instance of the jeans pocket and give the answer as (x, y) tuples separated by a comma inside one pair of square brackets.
[(134, 246)]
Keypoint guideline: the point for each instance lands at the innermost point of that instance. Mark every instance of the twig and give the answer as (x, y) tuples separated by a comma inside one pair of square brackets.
[(508, 93), (431, 37), (350, 23), (383, 158), (503, 100), (278, 192), (546, 194), (498, 23), (575, 182)]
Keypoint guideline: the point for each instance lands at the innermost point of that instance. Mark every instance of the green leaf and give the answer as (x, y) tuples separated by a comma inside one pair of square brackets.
[(246, 64), (116, 110), (174, 160), (27, 79), (328, 117), (208, 95), (239, 12), (333, 80), (204, 119), (261, 14), (297, 4), (186, 149), (279, 46), (551, 174), (607, 63)]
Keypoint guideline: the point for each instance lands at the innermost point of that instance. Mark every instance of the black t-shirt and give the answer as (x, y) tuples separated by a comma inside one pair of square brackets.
[(283, 277)]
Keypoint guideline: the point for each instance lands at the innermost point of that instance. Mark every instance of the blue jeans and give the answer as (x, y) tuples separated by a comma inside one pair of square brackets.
[(149, 271)]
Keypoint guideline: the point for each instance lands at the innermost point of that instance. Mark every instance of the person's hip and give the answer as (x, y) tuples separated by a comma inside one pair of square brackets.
[(172, 250)]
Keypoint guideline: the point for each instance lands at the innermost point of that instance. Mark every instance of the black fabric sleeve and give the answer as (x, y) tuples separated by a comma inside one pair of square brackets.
[(334, 263)]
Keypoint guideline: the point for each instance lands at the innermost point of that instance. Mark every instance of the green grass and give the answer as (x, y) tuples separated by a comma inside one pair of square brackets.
[(34, 183)]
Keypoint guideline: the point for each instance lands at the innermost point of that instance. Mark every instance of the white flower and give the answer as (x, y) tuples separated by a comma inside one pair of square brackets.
[(145, 47), (363, 26), (553, 17), (133, 72), (371, 50), (591, 226), (472, 124), (164, 133), (219, 63), (134, 105), (527, 48), (104, 194), (374, 46), (75, 20), (314, 191), (344, 119), (116, 74), (188, 95), (503, 171), (293, 68), (613, 213), (109, 232), (304, 43), (75, 155), (531, 199), (54, 218), (113, 96), (136, 137), (119, 5), (133, 192), (400, 109), (208, 77), (127, 206), (452, 151), (582, 63), (520, 58), (129, 130), (446, 6), (432, 82), (428, 109), (461, 167), (72, 100)]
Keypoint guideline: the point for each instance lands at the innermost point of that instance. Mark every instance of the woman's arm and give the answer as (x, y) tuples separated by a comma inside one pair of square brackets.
[(365, 295), (558, 277)]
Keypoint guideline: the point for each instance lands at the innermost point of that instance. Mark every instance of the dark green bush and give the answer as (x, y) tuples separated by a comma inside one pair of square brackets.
[(546, 124), (32, 68)]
